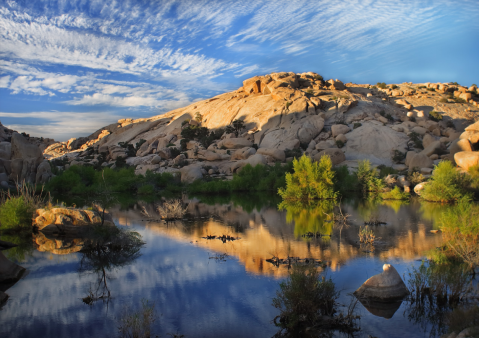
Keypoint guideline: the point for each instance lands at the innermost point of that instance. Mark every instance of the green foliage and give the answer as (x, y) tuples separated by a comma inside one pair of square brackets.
[(367, 177), (146, 189), (296, 152), (446, 184), (385, 170), (415, 177), (303, 298), (412, 119), (416, 139), (394, 86), (460, 232), (339, 143), (257, 178), (318, 78), (236, 126), (16, 213), (381, 85), (357, 125), (431, 89), (174, 152), (310, 180), (202, 134), (395, 194), (198, 117), (344, 181), (435, 116), (85, 181), (382, 113), (397, 156)]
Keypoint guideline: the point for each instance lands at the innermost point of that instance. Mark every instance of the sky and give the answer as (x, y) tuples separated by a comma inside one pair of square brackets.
[(68, 68)]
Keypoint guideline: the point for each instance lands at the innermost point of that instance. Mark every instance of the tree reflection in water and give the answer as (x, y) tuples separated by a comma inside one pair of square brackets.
[(310, 218), (107, 248)]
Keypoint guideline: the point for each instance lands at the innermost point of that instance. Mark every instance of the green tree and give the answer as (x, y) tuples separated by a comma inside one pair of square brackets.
[(310, 180), (446, 184)]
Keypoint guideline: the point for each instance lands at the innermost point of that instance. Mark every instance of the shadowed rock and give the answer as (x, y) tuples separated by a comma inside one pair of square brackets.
[(385, 286), (9, 271), (380, 308)]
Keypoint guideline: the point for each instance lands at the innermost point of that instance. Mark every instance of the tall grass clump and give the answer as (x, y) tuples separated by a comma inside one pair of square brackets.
[(137, 324), (446, 184), (170, 210), (17, 209), (395, 194), (310, 180), (460, 232)]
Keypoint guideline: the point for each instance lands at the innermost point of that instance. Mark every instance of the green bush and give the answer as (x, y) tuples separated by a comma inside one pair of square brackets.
[(416, 139), (397, 156), (435, 116), (310, 180), (146, 189), (394, 86), (395, 194), (381, 85), (357, 125), (446, 184), (16, 213), (345, 181), (303, 299), (367, 177), (339, 143)]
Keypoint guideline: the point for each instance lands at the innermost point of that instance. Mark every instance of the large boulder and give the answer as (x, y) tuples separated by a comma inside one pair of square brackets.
[(235, 143), (467, 159), (253, 160), (435, 147), (25, 159), (386, 286), (44, 172), (459, 145), (191, 173), (68, 220), (419, 160), (337, 129), (9, 271), (337, 156), (277, 154), (243, 153)]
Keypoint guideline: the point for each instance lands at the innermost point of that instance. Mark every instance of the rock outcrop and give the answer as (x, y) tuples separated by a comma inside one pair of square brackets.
[(386, 286), (68, 220)]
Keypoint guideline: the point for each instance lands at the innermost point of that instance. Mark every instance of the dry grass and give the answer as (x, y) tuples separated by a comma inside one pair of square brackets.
[(170, 210), (366, 235)]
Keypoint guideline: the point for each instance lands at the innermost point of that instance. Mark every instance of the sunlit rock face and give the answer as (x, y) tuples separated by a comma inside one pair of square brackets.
[(386, 286)]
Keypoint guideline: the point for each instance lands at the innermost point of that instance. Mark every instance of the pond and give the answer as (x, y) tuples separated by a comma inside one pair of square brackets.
[(217, 287)]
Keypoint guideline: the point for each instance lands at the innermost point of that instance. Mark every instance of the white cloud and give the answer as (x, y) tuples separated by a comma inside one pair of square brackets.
[(62, 126), (4, 81)]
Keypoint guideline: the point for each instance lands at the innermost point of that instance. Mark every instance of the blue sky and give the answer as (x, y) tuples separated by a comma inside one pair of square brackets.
[(68, 68)]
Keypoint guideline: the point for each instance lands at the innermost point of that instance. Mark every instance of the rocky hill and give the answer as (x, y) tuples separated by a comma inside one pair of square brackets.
[(286, 114)]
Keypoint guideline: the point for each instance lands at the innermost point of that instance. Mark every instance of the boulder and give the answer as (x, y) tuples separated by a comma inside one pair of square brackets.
[(209, 155), (337, 156), (6, 150), (277, 154), (419, 130), (427, 140), (459, 145), (323, 145), (9, 271), (253, 160), (420, 160), (243, 153), (337, 129), (433, 148), (466, 159), (44, 172), (386, 286), (68, 220), (473, 127), (191, 173), (470, 135), (342, 138), (419, 187), (3, 298), (235, 143)]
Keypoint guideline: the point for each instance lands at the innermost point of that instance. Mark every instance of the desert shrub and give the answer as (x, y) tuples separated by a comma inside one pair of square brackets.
[(382, 113), (394, 86), (460, 231), (318, 78), (397, 156), (310, 180), (304, 298), (198, 117), (381, 85), (366, 235), (16, 213), (395, 194), (339, 143), (431, 89), (459, 100), (443, 100), (174, 152), (446, 184), (171, 209), (296, 152), (368, 177), (412, 119), (435, 116), (474, 176), (389, 117), (237, 126), (385, 170), (464, 317), (416, 139), (357, 125), (146, 189), (415, 177)]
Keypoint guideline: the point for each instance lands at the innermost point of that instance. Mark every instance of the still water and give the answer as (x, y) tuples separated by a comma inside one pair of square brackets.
[(213, 288)]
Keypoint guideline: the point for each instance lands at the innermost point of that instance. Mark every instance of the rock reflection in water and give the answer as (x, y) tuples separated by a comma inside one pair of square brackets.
[(57, 245), (265, 232), (381, 309)]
